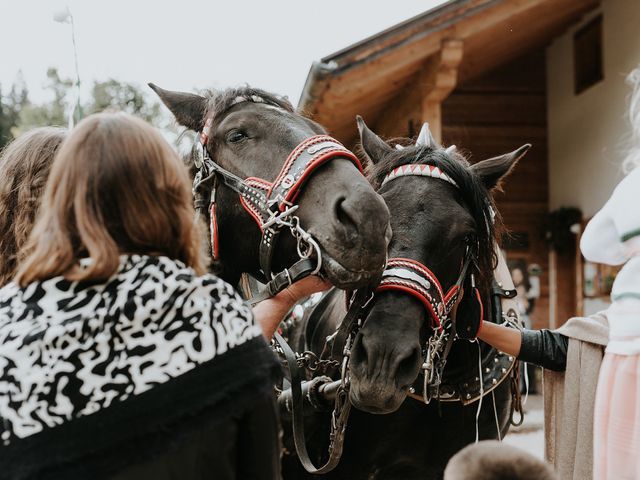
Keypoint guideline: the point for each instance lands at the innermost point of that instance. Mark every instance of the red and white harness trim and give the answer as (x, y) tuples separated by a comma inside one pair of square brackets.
[(412, 277)]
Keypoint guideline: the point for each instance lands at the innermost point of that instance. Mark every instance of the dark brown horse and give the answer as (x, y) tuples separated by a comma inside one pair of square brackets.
[(390, 436), (251, 133)]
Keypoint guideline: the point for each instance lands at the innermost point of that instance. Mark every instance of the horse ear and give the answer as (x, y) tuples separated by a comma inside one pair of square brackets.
[(494, 169), (188, 108), (374, 147)]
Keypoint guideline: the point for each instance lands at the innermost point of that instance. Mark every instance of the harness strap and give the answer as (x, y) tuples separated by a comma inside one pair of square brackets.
[(297, 417), (413, 278), (357, 309), (302, 162), (298, 271)]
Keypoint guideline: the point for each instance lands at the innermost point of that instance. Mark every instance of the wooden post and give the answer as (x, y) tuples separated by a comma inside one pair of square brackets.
[(437, 80)]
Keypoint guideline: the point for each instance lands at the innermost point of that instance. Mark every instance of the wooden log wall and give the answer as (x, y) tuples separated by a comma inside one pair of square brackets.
[(497, 113)]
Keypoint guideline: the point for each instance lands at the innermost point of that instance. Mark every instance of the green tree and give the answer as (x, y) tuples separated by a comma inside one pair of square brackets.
[(114, 95), (10, 107), (5, 124), (51, 113), (18, 114)]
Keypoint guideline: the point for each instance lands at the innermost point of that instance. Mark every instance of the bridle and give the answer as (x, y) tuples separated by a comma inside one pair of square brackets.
[(272, 205)]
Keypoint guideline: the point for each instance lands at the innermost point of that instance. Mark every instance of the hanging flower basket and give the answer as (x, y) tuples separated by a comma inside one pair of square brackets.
[(562, 226)]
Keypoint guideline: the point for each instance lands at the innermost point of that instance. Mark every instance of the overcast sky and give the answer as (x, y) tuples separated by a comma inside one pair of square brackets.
[(188, 44)]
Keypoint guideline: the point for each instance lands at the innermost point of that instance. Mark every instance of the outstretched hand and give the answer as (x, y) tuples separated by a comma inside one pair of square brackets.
[(269, 313), (302, 288)]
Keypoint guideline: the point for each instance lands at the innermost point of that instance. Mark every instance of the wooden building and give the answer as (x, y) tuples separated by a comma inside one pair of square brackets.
[(489, 76)]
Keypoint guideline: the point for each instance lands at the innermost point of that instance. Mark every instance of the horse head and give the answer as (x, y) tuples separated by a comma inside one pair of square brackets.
[(441, 209), (251, 133)]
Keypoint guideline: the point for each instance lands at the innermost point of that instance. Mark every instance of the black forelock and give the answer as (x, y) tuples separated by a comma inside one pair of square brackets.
[(222, 100), (475, 196)]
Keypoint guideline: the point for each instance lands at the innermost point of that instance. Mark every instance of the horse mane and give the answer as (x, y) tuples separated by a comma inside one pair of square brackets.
[(222, 100), (476, 197)]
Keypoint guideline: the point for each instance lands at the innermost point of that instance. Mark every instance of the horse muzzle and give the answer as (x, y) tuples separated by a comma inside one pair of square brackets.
[(376, 398)]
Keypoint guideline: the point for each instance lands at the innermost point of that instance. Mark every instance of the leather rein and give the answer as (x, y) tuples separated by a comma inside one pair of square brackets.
[(271, 204)]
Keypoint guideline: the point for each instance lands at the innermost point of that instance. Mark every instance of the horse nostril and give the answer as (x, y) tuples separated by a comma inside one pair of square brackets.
[(359, 350), (346, 216)]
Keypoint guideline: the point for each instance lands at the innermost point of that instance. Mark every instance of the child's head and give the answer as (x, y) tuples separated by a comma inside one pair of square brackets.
[(24, 167), (116, 187), (493, 460)]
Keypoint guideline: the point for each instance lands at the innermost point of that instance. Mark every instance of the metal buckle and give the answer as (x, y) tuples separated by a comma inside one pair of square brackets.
[(305, 244), (280, 218)]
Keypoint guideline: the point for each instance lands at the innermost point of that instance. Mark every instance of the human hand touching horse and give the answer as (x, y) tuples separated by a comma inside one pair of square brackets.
[(269, 313)]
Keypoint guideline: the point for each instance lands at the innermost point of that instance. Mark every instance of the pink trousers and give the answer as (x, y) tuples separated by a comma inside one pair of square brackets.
[(617, 419)]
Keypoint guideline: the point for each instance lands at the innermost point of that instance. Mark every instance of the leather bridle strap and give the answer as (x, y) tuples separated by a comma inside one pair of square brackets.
[(357, 309), (272, 205), (283, 279), (340, 415)]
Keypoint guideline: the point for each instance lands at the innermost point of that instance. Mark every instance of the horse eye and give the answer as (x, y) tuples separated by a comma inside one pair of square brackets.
[(236, 136)]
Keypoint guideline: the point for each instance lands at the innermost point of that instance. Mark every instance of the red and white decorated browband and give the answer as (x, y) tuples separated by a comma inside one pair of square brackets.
[(419, 170)]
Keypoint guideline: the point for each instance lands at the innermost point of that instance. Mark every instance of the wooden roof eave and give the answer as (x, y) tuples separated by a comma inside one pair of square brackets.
[(369, 49), (315, 85)]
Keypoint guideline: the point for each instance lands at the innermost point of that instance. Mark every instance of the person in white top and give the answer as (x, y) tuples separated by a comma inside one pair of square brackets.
[(612, 237)]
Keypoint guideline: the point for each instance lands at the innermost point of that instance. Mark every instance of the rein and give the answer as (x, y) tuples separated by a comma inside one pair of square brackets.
[(271, 205)]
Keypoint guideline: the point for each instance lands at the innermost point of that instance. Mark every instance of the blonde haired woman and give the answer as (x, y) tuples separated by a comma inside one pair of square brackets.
[(119, 356)]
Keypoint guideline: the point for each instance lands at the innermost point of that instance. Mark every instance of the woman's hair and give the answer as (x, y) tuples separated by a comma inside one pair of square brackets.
[(633, 157), (116, 187), (24, 167)]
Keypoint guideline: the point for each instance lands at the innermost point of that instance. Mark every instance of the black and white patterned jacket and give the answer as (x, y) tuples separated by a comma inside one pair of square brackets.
[(98, 376)]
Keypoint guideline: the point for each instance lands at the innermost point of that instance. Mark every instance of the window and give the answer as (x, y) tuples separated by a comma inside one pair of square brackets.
[(587, 55)]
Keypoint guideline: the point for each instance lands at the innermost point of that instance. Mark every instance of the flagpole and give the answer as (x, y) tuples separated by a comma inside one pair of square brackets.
[(66, 17)]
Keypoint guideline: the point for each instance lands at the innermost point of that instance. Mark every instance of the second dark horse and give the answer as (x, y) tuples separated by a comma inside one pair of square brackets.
[(390, 436)]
